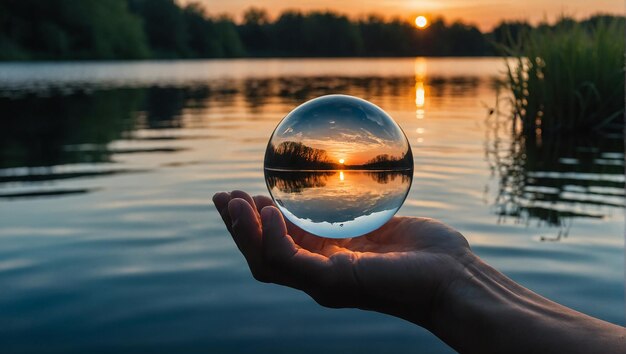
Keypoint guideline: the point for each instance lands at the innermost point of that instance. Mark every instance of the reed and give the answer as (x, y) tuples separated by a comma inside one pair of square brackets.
[(568, 77)]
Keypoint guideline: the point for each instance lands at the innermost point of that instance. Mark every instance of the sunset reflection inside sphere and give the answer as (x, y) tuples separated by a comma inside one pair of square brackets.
[(338, 166)]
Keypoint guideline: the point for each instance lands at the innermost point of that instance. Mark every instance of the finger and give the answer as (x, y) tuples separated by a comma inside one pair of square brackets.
[(294, 231), (245, 196), (221, 204), (292, 266), (262, 201), (247, 235)]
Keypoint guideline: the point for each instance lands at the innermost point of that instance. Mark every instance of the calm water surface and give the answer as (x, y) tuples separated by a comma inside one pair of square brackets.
[(109, 241)]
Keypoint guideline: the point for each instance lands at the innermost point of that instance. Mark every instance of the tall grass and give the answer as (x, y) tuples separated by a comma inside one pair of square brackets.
[(568, 77)]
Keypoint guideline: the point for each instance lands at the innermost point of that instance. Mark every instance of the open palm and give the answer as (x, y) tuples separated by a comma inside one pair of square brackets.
[(407, 261)]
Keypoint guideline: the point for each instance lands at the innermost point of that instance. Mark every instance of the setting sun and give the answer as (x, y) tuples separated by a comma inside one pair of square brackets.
[(421, 22), (341, 161)]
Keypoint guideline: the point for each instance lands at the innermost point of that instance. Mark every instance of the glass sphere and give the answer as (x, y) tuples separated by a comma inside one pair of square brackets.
[(338, 166)]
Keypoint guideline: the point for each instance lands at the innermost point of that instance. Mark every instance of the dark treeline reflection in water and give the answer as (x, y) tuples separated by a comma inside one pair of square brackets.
[(84, 123), (298, 181), (86, 113), (550, 180)]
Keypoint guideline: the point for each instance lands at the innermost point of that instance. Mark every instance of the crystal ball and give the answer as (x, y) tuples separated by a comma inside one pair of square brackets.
[(338, 166)]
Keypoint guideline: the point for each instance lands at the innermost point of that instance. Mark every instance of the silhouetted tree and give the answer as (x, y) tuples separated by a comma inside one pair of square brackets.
[(510, 33), (66, 29), (201, 36), (164, 25), (254, 32), (295, 155), (228, 38), (464, 39), (314, 34), (381, 38), (388, 162), (130, 29)]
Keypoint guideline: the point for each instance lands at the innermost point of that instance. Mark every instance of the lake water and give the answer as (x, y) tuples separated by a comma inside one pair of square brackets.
[(109, 241)]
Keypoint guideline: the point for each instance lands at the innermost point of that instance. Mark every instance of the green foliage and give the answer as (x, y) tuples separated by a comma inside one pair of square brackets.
[(329, 34), (202, 36), (569, 76), (112, 29), (254, 32), (465, 39), (382, 38), (509, 33), (164, 25), (136, 29), (132, 29), (70, 29), (296, 34), (208, 38), (228, 38)]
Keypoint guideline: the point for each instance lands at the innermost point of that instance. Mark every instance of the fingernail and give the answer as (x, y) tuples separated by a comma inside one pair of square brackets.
[(234, 209)]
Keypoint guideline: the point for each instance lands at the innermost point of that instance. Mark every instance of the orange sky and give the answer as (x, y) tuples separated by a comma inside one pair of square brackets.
[(483, 13)]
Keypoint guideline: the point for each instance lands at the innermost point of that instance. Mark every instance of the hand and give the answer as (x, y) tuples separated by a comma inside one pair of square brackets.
[(417, 269), (404, 268)]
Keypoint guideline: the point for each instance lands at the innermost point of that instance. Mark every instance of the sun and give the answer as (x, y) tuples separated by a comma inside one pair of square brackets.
[(341, 161), (421, 22)]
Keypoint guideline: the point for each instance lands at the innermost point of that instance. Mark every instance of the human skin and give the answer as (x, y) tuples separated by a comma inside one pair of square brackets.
[(417, 269)]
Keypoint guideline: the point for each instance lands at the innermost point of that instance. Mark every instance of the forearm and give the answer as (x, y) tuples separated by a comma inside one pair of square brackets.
[(486, 312)]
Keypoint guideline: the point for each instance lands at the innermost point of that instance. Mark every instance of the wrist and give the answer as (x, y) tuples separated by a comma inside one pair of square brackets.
[(463, 285), (481, 310), (484, 311)]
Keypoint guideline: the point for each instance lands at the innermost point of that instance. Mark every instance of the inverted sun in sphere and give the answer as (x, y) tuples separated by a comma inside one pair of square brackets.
[(421, 22), (308, 178)]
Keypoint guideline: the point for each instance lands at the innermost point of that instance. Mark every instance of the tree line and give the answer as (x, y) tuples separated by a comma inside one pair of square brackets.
[(293, 155), (163, 29), (388, 162), (113, 29), (298, 181)]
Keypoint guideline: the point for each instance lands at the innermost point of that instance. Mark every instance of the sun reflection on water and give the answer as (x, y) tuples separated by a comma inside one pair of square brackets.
[(420, 91), (419, 94)]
